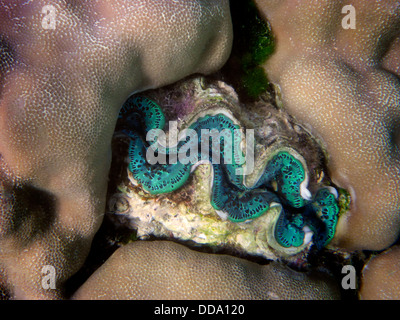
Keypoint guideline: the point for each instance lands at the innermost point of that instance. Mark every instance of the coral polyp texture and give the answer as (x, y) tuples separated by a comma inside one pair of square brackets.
[(381, 276), (342, 83), (279, 186), (131, 273), (66, 68)]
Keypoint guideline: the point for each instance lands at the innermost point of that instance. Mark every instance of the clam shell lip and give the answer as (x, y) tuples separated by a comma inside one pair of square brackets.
[(222, 214), (308, 235), (333, 191), (304, 192), (119, 204)]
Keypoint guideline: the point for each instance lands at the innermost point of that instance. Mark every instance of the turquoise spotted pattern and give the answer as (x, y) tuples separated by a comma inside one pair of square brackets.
[(289, 230), (288, 172), (327, 210), (222, 137)]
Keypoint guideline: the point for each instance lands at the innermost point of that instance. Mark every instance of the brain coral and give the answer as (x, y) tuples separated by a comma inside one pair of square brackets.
[(343, 83), (381, 276), (65, 70), (166, 270)]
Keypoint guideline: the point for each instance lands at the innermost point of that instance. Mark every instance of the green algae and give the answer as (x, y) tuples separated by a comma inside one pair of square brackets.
[(253, 45)]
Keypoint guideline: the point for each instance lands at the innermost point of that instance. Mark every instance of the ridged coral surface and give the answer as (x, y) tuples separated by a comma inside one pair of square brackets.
[(182, 273), (62, 86), (381, 276), (342, 83)]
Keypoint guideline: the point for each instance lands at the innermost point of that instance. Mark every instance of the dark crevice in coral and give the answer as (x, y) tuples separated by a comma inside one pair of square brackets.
[(4, 294), (4, 289), (6, 55), (110, 235), (33, 211), (253, 43), (7, 58), (108, 239), (333, 261)]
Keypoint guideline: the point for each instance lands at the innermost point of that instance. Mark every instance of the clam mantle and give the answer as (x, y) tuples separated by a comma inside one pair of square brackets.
[(212, 205)]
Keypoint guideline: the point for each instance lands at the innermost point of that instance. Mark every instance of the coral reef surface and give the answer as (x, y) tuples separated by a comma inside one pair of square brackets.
[(131, 273), (66, 69), (317, 81)]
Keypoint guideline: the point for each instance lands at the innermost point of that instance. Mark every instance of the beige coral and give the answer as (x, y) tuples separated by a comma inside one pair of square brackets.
[(381, 276), (61, 91), (166, 270), (342, 83)]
